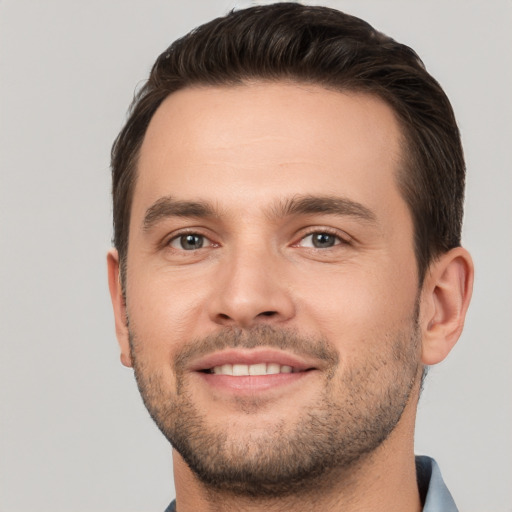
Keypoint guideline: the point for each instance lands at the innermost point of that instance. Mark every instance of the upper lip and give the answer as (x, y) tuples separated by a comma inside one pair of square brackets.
[(253, 356)]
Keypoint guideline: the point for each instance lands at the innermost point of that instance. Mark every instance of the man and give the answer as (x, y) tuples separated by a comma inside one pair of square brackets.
[(288, 198)]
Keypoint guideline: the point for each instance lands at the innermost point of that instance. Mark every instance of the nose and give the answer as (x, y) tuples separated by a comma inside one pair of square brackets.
[(251, 289)]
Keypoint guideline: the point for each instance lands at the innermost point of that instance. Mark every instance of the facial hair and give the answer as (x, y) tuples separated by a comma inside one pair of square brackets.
[(353, 414)]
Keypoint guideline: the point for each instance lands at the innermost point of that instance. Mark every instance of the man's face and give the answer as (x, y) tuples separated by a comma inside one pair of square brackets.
[(268, 237)]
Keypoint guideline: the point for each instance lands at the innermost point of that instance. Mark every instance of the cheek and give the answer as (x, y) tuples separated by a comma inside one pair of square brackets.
[(355, 307), (164, 312)]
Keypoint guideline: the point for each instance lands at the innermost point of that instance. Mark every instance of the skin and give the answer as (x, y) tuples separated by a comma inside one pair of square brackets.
[(246, 151)]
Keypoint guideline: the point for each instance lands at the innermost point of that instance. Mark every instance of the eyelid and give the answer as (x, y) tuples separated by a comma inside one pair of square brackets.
[(343, 237), (175, 235)]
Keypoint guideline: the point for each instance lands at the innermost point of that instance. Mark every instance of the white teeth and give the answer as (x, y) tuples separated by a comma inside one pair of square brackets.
[(241, 370), (258, 369), (225, 369), (273, 368)]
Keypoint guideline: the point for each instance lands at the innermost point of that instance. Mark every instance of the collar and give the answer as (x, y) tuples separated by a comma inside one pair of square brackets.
[(433, 491)]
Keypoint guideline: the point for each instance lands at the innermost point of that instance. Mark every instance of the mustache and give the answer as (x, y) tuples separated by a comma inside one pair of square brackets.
[(254, 337)]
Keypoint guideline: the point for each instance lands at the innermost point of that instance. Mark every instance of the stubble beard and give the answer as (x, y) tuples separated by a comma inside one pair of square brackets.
[(352, 416)]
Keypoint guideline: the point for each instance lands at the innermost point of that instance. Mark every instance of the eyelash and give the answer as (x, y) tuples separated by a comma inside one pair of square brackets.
[(189, 232), (340, 240)]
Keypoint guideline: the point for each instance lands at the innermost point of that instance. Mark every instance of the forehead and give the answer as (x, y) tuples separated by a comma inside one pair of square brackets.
[(269, 140)]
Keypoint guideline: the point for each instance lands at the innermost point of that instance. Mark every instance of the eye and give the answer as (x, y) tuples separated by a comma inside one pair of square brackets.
[(320, 240), (189, 242)]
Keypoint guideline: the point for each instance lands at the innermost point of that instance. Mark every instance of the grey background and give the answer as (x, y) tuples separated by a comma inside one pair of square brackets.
[(74, 435)]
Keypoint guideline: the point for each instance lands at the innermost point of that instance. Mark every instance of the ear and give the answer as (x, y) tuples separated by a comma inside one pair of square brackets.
[(445, 297), (118, 303)]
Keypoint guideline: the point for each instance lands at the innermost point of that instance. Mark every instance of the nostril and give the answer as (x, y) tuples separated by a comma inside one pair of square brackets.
[(268, 313)]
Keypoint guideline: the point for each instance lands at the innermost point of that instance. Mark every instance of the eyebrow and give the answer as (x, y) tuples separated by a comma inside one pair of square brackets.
[(166, 207), (329, 205)]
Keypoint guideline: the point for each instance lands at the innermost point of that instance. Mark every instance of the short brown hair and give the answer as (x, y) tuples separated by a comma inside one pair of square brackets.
[(323, 46)]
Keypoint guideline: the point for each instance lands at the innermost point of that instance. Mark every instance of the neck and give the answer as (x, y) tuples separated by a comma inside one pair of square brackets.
[(384, 481)]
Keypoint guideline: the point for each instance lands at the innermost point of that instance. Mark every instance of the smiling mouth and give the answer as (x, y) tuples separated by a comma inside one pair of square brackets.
[(258, 369)]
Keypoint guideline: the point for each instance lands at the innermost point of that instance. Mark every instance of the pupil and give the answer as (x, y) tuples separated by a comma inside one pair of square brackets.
[(323, 240), (189, 242)]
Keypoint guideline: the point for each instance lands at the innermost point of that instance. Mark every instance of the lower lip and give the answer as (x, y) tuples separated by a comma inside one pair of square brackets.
[(251, 383)]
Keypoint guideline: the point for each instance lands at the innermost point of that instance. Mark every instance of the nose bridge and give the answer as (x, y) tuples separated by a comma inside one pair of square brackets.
[(251, 287)]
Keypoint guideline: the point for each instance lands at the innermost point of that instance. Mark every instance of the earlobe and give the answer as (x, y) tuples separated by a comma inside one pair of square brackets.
[(119, 306), (446, 294)]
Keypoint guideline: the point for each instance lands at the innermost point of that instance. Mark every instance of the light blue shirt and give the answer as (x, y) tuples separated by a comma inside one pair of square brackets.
[(430, 481)]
